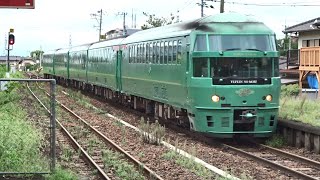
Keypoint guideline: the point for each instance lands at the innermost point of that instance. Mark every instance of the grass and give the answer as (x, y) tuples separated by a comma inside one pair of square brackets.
[(300, 109), (151, 133), (19, 141), (276, 141), (187, 163), (61, 174), (114, 161)]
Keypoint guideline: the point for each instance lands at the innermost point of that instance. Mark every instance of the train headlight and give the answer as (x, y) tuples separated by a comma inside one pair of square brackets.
[(269, 98), (215, 98)]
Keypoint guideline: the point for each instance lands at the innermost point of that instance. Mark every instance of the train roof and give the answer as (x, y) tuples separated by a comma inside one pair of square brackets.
[(80, 47), (106, 43), (50, 52), (223, 23), (62, 51)]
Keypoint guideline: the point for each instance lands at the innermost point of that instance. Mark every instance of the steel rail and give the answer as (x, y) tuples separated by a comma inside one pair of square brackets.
[(271, 164), (86, 155), (301, 159), (138, 164)]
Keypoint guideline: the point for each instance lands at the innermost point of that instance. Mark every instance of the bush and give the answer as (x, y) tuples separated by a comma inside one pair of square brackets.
[(290, 90)]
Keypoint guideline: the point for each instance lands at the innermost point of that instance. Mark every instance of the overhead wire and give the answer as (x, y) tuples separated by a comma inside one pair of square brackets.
[(269, 4)]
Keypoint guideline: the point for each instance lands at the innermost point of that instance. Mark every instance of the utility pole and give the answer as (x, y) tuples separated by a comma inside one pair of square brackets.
[(132, 19), (124, 31), (202, 4), (222, 6), (98, 17)]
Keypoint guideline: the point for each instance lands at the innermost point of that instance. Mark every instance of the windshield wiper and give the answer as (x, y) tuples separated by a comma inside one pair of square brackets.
[(254, 49), (230, 49)]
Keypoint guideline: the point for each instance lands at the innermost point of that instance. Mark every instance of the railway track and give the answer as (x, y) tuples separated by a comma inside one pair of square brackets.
[(282, 164), (297, 166), (94, 157)]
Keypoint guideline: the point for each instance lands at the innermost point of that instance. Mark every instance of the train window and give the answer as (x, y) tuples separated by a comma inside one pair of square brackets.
[(179, 52), (132, 54), (147, 53), (138, 53), (201, 43), (142, 56), (129, 49), (158, 53), (150, 53), (108, 59), (161, 52), (144, 59), (276, 67), (165, 53), (200, 67), (105, 55), (174, 52), (170, 52), (154, 60), (241, 42), (241, 67), (142, 53)]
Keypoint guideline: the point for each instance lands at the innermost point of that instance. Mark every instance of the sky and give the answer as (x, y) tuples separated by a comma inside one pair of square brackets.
[(59, 23)]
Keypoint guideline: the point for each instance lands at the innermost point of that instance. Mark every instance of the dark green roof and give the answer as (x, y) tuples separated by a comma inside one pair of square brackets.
[(224, 23)]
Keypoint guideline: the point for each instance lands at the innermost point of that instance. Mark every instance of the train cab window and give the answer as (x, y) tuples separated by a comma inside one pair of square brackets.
[(242, 42), (200, 67), (241, 67), (276, 67), (201, 43)]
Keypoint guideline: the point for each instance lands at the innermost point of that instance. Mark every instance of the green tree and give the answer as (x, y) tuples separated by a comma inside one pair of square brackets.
[(154, 21), (36, 54), (283, 45)]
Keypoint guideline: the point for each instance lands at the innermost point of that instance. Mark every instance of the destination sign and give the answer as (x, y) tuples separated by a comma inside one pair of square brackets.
[(232, 81)]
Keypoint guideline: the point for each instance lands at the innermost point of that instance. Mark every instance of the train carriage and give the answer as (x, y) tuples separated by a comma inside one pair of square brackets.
[(226, 82), (47, 63), (78, 56), (61, 64), (234, 80), (218, 74), (103, 63), (154, 65)]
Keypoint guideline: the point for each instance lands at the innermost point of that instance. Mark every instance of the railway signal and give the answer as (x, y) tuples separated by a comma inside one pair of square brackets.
[(11, 39)]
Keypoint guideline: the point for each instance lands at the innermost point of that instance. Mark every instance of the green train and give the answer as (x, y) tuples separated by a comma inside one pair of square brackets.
[(218, 74)]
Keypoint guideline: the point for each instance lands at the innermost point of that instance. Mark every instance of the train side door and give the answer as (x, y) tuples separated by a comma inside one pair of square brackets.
[(118, 70)]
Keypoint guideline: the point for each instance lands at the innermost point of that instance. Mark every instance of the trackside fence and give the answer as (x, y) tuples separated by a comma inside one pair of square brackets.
[(52, 126)]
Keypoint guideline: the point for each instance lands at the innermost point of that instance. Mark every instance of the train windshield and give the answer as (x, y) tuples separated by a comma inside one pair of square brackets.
[(234, 67), (235, 42)]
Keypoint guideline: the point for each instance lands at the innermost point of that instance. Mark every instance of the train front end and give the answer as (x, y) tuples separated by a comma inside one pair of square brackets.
[(234, 83)]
